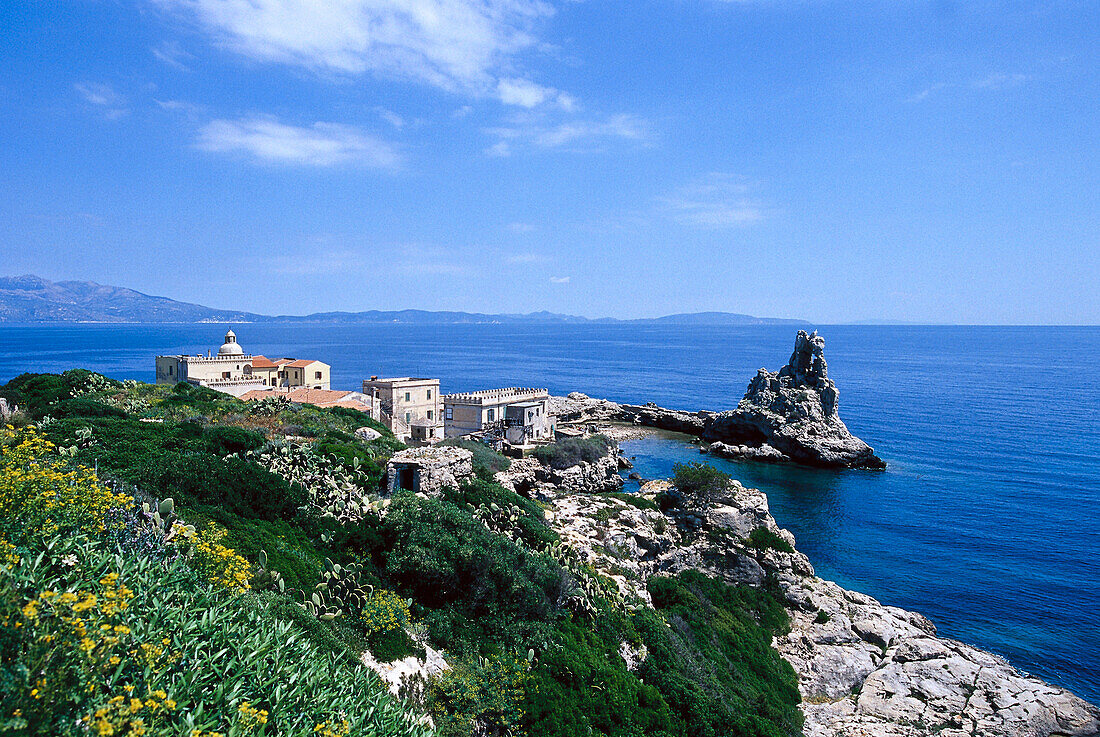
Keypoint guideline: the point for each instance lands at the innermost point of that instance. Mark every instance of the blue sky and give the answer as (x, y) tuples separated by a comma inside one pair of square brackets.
[(834, 161)]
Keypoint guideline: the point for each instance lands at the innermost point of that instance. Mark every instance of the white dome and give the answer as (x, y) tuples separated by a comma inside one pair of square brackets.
[(231, 347)]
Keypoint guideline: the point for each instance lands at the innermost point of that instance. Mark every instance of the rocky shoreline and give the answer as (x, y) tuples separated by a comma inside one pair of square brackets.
[(864, 668), (785, 416)]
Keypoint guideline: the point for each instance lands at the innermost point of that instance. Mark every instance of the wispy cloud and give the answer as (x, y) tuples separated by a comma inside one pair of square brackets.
[(172, 54), (926, 92), (322, 144), (716, 201), (110, 103), (575, 134), (457, 45), (526, 258), (559, 280), (1001, 81), (390, 117)]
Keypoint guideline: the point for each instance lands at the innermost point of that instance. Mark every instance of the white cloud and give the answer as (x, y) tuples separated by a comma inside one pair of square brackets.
[(716, 201), (575, 134), (103, 96), (926, 92), (528, 94), (458, 45), (559, 280), (322, 144)]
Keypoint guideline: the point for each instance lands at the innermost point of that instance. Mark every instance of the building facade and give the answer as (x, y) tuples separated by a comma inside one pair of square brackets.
[(519, 415), (411, 407), (235, 372)]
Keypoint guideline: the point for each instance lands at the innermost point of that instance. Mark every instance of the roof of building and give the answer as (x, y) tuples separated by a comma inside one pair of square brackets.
[(397, 380), (262, 362), (316, 397), (302, 362), (231, 347), (494, 396)]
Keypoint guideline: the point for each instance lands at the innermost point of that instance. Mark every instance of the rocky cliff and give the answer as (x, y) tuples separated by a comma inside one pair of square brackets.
[(790, 415), (864, 668), (792, 411)]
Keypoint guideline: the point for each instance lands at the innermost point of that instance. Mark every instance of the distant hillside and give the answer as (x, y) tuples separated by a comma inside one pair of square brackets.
[(34, 299)]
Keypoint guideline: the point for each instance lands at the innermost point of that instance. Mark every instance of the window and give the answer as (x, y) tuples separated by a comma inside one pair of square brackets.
[(431, 431), (408, 417), (430, 414), (317, 374), (169, 370), (490, 415), (449, 413), (429, 394), (225, 374), (408, 396)]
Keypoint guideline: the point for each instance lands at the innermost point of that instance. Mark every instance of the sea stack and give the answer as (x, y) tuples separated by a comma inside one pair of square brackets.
[(791, 415)]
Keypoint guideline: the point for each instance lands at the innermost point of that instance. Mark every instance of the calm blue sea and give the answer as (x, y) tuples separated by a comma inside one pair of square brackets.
[(986, 520)]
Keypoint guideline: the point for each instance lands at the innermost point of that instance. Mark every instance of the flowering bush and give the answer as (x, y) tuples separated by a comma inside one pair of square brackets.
[(42, 495), (384, 611), (219, 564), (114, 645)]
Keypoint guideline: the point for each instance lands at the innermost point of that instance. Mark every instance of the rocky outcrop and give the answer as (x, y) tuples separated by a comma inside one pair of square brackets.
[(790, 416), (429, 470), (794, 411), (864, 668), (528, 477)]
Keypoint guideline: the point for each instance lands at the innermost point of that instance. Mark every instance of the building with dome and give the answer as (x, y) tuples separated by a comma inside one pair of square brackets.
[(235, 372)]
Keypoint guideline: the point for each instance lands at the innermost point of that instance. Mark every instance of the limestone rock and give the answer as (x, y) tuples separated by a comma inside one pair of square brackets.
[(792, 415), (367, 434), (429, 470)]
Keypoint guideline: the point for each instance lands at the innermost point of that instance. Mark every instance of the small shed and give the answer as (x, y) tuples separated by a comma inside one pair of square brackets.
[(429, 470)]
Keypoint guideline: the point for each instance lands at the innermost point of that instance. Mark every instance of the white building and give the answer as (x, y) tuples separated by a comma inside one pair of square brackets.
[(410, 407), (235, 372), (519, 415)]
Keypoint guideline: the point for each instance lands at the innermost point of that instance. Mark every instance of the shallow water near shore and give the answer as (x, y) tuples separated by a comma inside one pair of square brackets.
[(985, 520)]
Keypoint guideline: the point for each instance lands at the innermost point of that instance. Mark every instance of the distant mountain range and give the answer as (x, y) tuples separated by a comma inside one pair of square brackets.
[(33, 299)]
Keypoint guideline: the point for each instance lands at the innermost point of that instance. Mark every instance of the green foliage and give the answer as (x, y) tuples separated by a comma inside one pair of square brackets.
[(238, 484), (290, 551), (83, 407), (480, 588), (191, 657), (487, 691), (486, 460), (762, 538), (694, 486), (490, 501), (36, 393), (822, 617), (715, 664), (223, 441), (571, 451)]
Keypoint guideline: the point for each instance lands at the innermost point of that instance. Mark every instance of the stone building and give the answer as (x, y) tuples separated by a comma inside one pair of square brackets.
[(519, 415), (235, 372), (410, 407), (365, 403), (429, 470)]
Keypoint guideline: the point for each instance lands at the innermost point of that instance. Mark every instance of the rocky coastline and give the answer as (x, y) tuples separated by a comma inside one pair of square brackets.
[(864, 668), (786, 416)]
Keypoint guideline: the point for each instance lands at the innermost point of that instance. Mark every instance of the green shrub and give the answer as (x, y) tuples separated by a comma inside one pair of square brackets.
[(486, 460), (36, 393), (822, 617), (82, 407), (486, 692), (571, 451), (240, 485), (746, 688), (530, 522), (695, 485), (762, 538), (224, 441)]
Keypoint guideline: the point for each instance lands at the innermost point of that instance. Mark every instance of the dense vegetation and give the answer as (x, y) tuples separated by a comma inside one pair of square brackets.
[(279, 552), (571, 451)]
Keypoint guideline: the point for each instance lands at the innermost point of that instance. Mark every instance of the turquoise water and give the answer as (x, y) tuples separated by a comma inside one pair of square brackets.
[(985, 520)]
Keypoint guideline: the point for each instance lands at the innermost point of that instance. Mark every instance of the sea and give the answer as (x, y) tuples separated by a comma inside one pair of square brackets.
[(987, 519)]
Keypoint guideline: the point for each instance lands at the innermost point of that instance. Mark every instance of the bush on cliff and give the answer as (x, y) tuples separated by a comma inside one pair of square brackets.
[(746, 689), (486, 460), (572, 451)]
